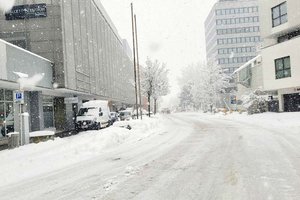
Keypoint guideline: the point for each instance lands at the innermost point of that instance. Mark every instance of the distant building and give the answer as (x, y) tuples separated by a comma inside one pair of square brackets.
[(280, 30), (89, 57), (232, 32)]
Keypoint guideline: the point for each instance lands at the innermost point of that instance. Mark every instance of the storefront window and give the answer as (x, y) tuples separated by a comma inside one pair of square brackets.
[(48, 110), (9, 120), (8, 95), (1, 95), (6, 112), (2, 119)]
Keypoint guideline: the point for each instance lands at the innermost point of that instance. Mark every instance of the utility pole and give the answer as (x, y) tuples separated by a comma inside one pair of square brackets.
[(138, 67), (134, 63)]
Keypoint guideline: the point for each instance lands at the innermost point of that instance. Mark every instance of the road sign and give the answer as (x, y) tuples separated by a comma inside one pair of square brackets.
[(19, 97)]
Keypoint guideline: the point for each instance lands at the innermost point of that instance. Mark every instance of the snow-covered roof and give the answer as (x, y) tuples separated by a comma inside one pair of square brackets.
[(247, 64), (24, 50)]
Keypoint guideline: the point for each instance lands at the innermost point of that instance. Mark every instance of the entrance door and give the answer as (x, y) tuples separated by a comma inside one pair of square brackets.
[(292, 102)]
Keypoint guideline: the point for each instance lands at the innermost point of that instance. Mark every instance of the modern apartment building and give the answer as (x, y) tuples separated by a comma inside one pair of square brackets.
[(280, 30), (232, 33), (78, 37)]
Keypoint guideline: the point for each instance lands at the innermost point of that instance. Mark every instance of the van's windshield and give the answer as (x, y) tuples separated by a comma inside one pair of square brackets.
[(87, 111)]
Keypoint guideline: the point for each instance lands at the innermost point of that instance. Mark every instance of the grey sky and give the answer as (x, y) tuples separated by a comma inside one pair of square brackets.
[(171, 31)]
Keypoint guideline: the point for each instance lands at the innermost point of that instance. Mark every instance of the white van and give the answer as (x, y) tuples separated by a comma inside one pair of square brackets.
[(93, 115)]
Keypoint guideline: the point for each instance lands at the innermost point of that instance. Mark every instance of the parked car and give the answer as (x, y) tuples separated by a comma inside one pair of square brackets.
[(93, 115), (114, 117), (9, 123), (125, 115)]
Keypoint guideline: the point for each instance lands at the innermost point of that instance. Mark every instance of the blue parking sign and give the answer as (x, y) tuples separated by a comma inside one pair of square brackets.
[(19, 97)]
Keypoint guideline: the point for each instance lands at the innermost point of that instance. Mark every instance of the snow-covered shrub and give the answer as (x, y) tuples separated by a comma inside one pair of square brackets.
[(255, 102)]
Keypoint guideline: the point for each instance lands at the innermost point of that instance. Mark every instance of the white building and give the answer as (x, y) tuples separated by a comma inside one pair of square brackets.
[(280, 30)]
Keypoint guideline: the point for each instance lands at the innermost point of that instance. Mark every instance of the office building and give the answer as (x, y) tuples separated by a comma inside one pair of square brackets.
[(88, 55), (232, 33), (280, 30)]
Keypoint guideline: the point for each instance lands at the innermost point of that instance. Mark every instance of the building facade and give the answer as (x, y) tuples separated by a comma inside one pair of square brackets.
[(232, 33), (16, 60), (88, 55), (280, 30)]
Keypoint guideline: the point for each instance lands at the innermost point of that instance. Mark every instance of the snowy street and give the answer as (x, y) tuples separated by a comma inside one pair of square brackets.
[(178, 156)]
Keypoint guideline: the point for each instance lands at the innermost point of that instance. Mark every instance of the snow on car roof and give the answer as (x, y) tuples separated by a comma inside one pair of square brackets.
[(95, 103)]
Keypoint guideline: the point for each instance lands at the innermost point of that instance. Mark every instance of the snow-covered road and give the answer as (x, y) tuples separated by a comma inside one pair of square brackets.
[(189, 156)]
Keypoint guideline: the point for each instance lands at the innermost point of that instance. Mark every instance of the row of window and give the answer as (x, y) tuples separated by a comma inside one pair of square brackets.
[(236, 50), (239, 20), (231, 11), (238, 40), (249, 29), (234, 60)]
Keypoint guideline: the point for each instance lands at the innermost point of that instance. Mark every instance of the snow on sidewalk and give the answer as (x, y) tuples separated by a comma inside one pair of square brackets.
[(36, 159), (283, 121), (288, 121)]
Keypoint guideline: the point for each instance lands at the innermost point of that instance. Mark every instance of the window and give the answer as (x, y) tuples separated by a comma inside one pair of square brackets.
[(279, 14), (6, 112), (283, 67)]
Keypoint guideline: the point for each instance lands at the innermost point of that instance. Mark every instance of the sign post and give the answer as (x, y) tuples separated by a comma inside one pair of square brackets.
[(24, 119)]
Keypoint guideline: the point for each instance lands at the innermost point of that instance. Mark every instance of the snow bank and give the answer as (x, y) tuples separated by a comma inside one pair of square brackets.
[(36, 159), (284, 121), (41, 133), (272, 120)]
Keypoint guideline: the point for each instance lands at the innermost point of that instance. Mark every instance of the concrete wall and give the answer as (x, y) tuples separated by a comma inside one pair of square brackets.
[(95, 60), (15, 59)]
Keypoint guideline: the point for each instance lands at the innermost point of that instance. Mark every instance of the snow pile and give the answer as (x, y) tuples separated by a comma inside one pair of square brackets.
[(6, 5), (41, 133), (36, 159), (275, 121), (270, 120)]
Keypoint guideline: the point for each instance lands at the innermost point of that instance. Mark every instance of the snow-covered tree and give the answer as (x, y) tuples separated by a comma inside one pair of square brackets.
[(186, 97), (154, 81), (208, 82)]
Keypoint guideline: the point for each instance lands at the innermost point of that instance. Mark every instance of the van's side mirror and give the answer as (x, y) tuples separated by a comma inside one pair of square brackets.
[(100, 114)]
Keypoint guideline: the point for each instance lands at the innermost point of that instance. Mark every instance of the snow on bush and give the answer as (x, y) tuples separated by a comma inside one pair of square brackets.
[(6, 5), (255, 102)]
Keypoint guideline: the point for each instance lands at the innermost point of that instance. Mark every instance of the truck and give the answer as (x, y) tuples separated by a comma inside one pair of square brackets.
[(93, 115)]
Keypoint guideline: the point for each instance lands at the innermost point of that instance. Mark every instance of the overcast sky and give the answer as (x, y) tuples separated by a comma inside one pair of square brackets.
[(171, 31)]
